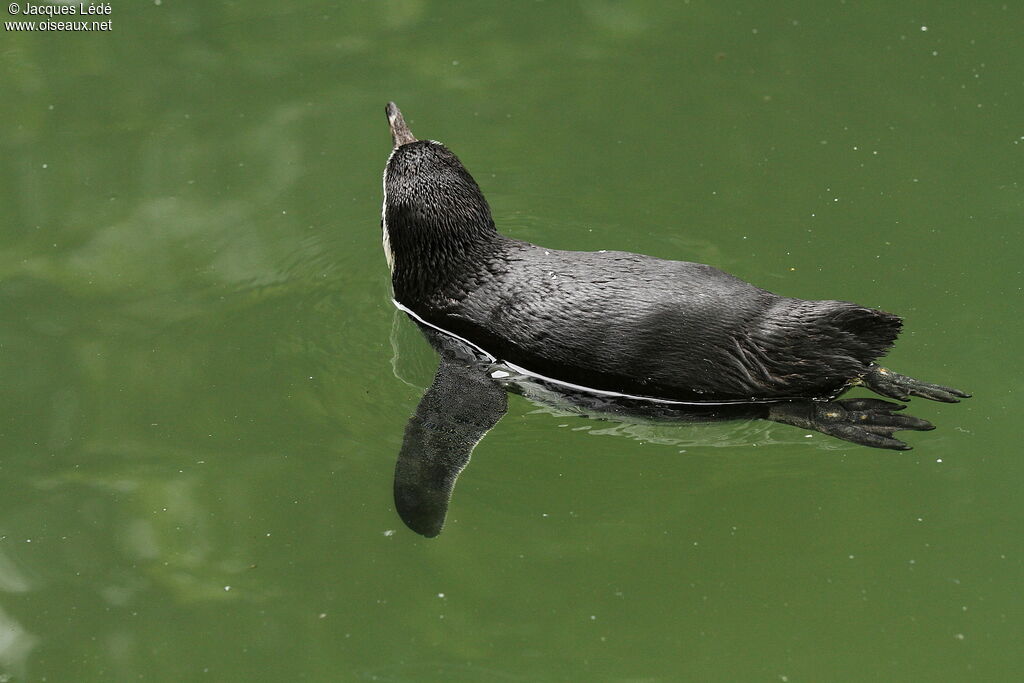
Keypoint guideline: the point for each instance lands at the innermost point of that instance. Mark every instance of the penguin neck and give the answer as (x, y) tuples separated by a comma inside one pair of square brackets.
[(430, 259)]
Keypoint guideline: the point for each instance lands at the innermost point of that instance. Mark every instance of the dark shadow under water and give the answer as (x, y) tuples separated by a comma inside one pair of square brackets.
[(468, 396)]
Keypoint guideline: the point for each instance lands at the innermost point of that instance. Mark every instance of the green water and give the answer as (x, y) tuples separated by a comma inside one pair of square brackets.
[(205, 384)]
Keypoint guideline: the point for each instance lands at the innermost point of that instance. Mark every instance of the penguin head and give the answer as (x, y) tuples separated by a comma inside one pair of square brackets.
[(431, 202)]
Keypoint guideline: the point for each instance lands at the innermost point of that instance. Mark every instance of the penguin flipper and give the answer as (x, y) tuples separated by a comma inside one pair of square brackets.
[(457, 410), (864, 421)]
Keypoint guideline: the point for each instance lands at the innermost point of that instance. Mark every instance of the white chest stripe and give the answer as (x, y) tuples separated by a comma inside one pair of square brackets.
[(386, 237)]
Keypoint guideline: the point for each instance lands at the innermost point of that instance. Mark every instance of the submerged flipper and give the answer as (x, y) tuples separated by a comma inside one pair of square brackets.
[(894, 385), (459, 408), (864, 421)]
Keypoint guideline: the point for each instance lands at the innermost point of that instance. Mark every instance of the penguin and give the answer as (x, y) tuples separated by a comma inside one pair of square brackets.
[(631, 325)]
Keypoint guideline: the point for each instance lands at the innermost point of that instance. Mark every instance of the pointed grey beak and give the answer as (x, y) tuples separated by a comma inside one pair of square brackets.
[(400, 133)]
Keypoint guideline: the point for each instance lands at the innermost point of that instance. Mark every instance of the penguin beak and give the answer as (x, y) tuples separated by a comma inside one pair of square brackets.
[(400, 133)]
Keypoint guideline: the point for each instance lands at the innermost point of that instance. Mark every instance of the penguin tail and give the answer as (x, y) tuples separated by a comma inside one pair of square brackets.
[(866, 333), (818, 346)]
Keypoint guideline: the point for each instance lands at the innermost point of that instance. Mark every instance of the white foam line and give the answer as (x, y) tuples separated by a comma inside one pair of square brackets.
[(400, 307), (580, 387)]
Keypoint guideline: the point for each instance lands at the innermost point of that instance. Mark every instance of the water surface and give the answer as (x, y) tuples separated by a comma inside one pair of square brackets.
[(206, 384)]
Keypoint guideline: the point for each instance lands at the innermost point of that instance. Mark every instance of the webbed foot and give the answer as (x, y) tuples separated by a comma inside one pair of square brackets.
[(864, 421), (894, 385)]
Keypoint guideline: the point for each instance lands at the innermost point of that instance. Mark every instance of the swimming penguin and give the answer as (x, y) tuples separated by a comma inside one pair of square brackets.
[(627, 324)]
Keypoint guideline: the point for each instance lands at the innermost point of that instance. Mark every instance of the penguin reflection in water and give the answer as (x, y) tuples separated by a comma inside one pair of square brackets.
[(629, 332)]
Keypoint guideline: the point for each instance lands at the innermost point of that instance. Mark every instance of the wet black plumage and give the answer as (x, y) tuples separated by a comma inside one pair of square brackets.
[(607, 320)]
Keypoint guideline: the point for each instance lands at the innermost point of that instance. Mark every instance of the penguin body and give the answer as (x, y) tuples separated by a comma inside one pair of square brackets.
[(652, 327)]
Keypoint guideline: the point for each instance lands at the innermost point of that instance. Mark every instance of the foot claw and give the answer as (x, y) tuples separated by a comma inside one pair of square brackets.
[(865, 421), (894, 385)]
